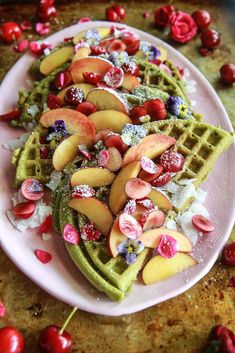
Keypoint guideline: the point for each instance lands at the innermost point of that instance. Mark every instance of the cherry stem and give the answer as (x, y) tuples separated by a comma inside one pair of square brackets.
[(68, 319)]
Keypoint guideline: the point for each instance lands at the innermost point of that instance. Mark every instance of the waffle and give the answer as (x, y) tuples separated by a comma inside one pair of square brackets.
[(29, 163), (201, 144)]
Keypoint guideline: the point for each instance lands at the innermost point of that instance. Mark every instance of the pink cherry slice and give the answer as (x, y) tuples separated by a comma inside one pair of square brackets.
[(130, 207), (32, 189), (24, 210), (85, 152), (155, 219), (115, 140), (129, 226), (114, 77), (103, 158), (148, 165), (202, 224), (147, 203), (137, 188), (43, 256), (82, 192), (71, 235), (102, 134), (167, 246)]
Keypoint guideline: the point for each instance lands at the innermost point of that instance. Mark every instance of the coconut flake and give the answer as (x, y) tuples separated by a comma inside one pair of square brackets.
[(185, 222), (33, 110), (46, 236), (186, 181), (30, 126), (54, 180), (171, 224), (184, 194), (18, 143)]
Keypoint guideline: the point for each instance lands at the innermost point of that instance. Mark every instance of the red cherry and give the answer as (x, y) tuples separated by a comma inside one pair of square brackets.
[(111, 15), (210, 38), (228, 254), (129, 226), (202, 19), (92, 77), (86, 108), (46, 225), (74, 96), (97, 50), (32, 189), (115, 140), (202, 224), (120, 11), (131, 68), (136, 113), (132, 44), (11, 340), (24, 210), (51, 341), (156, 109), (137, 188), (54, 102), (227, 73), (90, 232), (162, 179), (63, 79), (44, 152), (116, 45), (14, 114), (10, 32), (46, 12), (172, 161)]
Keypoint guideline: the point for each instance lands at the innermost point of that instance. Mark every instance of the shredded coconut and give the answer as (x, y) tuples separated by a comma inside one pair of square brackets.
[(54, 180), (18, 143)]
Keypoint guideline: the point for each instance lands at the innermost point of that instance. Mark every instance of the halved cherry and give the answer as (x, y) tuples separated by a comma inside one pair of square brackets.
[(103, 158), (156, 109), (202, 224), (147, 204), (150, 177), (129, 226), (172, 161), (53, 101), (132, 44), (115, 159), (82, 192), (63, 79), (228, 254), (137, 188), (24, 210), (92, 77), (43, 256), (136, 113), (130, 206), (90, 232), (71, 235), (115, 140), (14, 114), (32, 189), (86, 108), (155, 219), (97, 50), (102, 134), (116, 45), (131, 68), (148, 165), (162, 179), (46, 225), (114, 77)]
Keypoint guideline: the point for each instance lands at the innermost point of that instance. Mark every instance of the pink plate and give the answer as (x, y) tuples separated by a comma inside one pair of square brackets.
[(69, 285)]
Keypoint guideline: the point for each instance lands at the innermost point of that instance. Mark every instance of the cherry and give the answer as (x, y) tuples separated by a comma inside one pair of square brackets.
[(92, 77), (97, 50), (52, 341), (202, 224), (202, 19), (172, 161), (46, 225), (111, 15), (86, 108), (74, 96), (227, 73), (10, 32), (156, 109), (228, 254), (46, 12), (120, 11), (24, 210), (32, 189), (44, 152), (53, 101), (136, 113), (162, 179), (137, 188), (210, 38), (63, 79), (131, 68), (11, 340)]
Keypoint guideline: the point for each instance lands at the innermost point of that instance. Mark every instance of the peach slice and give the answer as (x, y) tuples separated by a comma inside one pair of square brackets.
[(160, 200), (56, 59), (76, 122), (151, 238), (159, 268), (103, 32), (92, 176), (115, 238), (89, 64), (117, 195), (96, 211), (81, 53), (107, 99), (109, 119), (86, 87), (151, 146), (130, 82), (68, 149)]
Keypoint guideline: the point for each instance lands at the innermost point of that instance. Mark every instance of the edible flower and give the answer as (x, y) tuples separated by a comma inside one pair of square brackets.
[(177, 107), (92, 37), (130, 249), (57, 131), (133, 134), (150, 52), (119, 59)]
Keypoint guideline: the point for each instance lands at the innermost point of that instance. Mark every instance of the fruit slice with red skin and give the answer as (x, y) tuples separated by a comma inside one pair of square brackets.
[(150, 146), (56, 59), (152, 237), (160, 200), (130, 82), (107, 99), (46, 225), (82, 191), (88, 64), (114, 162), (161, 179), (103, 32), (202, 224), (172, 161), (150, 177), (32, 189), (129, 226), (76, 123), (154, 219), (93, 176), (137, 188), (86, 108), (117, 195), (52, 341), (24, 210), (228, 254), (109, 119), (115, 140), (96, 211), (159, 268), (12, 340), (115, 238), (67, 150), (85, 87), (63, 79)]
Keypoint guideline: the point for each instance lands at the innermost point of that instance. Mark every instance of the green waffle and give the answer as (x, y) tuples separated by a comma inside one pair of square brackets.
[(28, 161)]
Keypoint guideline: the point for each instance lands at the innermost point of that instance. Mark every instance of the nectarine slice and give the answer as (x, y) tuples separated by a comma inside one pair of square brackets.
[(76, 122), (117, 195), (96, 211), (159, 268), (151, 238), (88, 64), (150, 146), (102, 31), (160, 200), (107, 99), (115, 238), (109, 119), (130, 82), (56, 59), (68, 149), (92, 176), (86, 87), (82, 52)]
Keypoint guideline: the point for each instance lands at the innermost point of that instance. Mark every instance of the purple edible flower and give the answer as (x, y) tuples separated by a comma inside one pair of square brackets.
[(130, 249), (58, 130), (177, 107), (154, 52)]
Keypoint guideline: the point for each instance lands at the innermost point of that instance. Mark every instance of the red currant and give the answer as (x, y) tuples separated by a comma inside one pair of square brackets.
[(227, 73), (210, 38), (74, 96), (172, 161), (202, 19), (10, 31)]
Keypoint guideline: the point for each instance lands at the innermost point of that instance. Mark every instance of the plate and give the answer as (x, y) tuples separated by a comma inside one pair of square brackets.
[(61, 278)]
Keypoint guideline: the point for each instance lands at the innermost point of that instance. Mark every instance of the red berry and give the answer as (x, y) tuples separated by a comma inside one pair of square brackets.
[(150, 177), (46, 225), (46, 12), (137, 188), (136, 113), (97, 50), (202, 224), (115, 140), (54, 102), (92, 77), (86, 108), (116, 45), (103, 158), (132, 44), (11, 340), (14, 114), (129, 226), (10, 32), (24, 210), (162, 179), (156, 109), (111, 15), (32, 189), (44, 152), (210, 38), (228, 254), (114, 77), (74, 96), (120, 11), (131, 68), (227, 72), (202, 19), (172, 161), (90, 232), (63, 79), (51, 341)]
